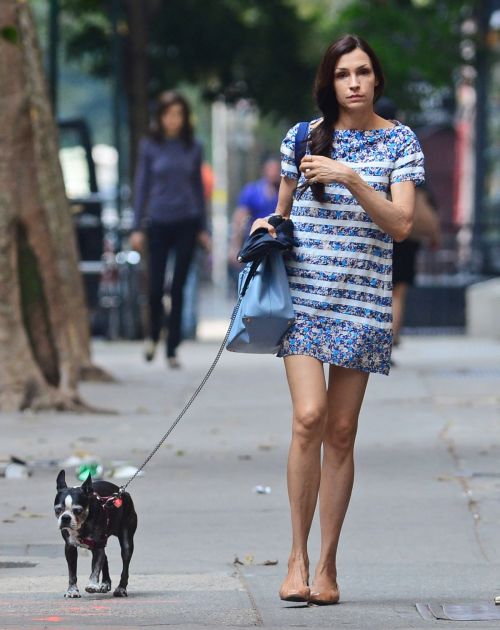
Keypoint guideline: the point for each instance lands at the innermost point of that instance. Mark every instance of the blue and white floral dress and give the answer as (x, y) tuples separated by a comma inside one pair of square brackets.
[(340, 271)]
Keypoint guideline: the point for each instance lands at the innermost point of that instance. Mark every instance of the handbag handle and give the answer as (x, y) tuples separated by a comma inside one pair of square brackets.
[(275, 220), (301, 143)]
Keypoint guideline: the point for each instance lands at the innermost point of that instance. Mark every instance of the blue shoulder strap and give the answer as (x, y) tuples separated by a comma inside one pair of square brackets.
[(301, 142)]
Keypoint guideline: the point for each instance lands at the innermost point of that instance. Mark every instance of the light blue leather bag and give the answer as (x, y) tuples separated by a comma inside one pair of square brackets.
[(265, 309)]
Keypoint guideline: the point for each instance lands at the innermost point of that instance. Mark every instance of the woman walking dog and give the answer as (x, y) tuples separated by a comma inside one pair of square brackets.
[(353, 194)]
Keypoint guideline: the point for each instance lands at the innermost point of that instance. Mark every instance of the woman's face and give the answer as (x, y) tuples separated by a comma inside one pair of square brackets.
[(172, 120), (354, 81)]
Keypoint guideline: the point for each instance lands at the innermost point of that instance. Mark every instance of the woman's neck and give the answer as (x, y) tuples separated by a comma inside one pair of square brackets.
[(171, 136), (359, 120)]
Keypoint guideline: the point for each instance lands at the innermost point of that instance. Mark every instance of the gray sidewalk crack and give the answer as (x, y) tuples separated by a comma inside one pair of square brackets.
[(246, 587), (472, 504)]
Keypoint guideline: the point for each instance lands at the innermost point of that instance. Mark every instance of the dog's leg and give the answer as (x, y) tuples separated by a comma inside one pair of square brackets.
[(126, 539), (98, 557), (71, 554), (106, 579)]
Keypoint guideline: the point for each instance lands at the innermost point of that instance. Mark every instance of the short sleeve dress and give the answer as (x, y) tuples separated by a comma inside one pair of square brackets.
[(340, 272)]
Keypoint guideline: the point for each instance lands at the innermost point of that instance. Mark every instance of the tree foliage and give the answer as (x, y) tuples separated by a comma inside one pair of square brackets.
[(418, 42), (269, 49), (257, 48)]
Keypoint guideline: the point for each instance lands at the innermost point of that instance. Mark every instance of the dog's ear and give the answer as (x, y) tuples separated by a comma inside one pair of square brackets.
[(87, 485), (61, 481)]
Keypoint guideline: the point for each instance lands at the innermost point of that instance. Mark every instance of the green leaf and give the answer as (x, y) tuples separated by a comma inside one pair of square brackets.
[(10, 34)]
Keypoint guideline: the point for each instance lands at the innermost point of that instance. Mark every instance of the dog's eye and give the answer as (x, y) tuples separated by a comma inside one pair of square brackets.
[(77, 510), (58, 510)]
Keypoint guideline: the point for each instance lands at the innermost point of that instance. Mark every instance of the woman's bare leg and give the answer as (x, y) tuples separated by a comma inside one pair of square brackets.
[(346, 389), (306, 380)]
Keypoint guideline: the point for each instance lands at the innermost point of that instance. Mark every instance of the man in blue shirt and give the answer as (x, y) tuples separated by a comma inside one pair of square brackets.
[(257, 199)]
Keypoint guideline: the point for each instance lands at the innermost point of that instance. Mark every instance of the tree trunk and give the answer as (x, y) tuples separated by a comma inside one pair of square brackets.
[(138, 15), (43, 318)]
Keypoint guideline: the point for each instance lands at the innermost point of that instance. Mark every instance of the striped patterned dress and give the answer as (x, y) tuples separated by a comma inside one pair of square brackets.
[(340, 271)]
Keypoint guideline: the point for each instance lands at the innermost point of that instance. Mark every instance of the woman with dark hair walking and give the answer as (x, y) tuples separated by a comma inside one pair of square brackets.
[(170, 209), (352, 195)]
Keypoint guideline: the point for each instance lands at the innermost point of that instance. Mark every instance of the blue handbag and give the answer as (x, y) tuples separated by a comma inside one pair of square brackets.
[(264, 311)]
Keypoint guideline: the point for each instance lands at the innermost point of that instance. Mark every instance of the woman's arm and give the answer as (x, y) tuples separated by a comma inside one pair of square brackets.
[(393, 216), (426, 222), (141, 186), (204, 238), (198, 187), (141, 192), (283, 207)]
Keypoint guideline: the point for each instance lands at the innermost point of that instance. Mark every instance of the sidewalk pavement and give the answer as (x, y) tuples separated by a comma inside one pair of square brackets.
[(423, 526)]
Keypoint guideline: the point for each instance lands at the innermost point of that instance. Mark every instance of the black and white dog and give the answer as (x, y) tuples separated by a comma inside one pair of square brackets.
[(87, 516)]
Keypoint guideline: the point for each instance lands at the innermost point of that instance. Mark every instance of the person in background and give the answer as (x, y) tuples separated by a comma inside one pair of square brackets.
[(189, 319), (425, 229), (169, 211), (257, 199)]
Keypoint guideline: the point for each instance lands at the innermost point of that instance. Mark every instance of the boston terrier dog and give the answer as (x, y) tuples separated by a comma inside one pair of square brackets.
[(87, 516)]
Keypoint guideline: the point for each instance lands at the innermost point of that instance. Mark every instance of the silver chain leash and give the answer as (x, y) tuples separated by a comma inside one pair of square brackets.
[(189, 402)]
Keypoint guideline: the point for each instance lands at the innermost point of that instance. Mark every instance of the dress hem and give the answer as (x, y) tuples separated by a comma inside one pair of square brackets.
[(282, 354)]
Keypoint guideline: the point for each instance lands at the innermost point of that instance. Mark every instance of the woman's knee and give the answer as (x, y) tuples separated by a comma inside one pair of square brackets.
[(340, 435), (309, 423)]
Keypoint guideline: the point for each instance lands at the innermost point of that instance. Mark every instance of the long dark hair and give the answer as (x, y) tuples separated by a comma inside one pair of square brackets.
[(326, 99), (164, 102)]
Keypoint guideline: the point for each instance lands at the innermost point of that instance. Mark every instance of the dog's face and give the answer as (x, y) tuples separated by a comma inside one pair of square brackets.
[(71, 505)]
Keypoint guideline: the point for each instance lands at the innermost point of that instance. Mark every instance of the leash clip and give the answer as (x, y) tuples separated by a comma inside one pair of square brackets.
[(114, 500)]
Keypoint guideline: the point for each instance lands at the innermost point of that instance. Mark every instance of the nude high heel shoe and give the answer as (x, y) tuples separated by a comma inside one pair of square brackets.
[(297, 595), (325, 598), (300, 594)]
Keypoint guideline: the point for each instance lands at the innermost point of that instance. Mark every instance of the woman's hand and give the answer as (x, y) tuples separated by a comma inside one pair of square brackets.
[(262, 223), (205, 240), (137, 240), (319, 169)]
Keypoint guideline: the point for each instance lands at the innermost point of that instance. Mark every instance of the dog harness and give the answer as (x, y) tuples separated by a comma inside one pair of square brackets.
[(107, 503)]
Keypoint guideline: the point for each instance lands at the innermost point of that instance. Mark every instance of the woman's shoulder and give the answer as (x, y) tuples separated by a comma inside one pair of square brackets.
[(292, 132), (402, 131), (402, 140), (146, 148), (148, 142)]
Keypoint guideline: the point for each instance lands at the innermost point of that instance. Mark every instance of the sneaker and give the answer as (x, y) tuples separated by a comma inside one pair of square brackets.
[(149, 349)]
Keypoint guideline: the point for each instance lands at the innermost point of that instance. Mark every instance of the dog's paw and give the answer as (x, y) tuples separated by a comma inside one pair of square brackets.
[(93, 587), (120, 591), (72, 592), (98, 587)]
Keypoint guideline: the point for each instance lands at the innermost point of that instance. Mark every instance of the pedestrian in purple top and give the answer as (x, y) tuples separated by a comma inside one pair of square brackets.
[(170, 211)]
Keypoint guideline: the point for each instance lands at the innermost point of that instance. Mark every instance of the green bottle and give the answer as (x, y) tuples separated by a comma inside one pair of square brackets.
[(90, 468)]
